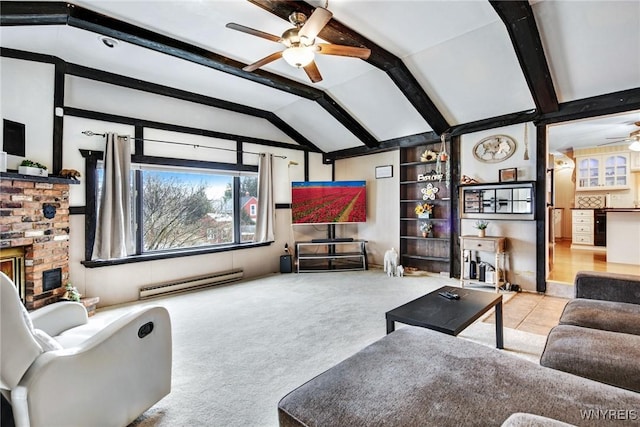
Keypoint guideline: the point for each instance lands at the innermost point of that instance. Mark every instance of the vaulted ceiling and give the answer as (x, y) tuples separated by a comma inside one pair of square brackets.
[(435, 66)]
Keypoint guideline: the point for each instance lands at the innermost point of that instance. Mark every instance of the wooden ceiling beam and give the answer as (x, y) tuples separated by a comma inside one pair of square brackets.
[(595, 106), (518, 18), (41, 13), (337, 33)]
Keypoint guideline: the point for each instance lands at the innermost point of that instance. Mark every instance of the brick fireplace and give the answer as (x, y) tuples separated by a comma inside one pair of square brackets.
[(34, 221)]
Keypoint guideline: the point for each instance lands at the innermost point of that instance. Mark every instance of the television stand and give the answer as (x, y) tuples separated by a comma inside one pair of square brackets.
[(337, 239), (320, 255)]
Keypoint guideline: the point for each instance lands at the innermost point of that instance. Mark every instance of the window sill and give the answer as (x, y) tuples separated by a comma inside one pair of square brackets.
[(170, 254)]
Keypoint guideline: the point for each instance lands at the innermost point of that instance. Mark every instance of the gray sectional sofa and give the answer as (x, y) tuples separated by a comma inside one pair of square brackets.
[(598, 336), (419, 377)]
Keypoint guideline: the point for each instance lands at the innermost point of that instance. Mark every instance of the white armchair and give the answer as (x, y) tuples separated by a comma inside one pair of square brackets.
[(58, 368)]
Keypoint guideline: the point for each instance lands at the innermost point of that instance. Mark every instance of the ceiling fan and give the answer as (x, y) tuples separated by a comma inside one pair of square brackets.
[(299, 42), (633, 138)]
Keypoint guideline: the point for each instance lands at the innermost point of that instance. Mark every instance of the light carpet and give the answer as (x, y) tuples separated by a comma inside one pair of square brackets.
[(239, 348)]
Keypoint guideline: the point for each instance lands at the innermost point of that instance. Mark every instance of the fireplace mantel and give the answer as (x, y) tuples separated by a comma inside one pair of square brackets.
[(14, 176)]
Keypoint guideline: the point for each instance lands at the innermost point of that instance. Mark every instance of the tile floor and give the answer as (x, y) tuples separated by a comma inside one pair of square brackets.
[(537, 313), (531, 312)]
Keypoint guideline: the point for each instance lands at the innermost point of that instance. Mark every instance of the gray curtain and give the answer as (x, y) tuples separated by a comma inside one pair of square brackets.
[(266, 209), (113, 226)]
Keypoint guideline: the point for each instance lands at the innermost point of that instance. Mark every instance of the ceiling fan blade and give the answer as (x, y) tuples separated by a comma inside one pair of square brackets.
[(253, 32), (263, 61), (615, 142), (313, 72), (315, 24), (341, 50)]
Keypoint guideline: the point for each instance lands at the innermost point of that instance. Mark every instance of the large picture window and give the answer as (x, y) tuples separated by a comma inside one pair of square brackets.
[(185, 208)]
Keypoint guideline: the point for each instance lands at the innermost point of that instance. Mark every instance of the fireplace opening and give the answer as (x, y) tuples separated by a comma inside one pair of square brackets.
[(12, 264), (51, 279)]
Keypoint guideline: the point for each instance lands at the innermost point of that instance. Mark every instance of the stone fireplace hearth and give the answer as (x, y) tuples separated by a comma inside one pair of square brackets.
[(34, 220)]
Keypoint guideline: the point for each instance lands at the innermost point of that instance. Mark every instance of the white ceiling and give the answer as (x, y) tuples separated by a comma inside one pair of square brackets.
[(458, 51)]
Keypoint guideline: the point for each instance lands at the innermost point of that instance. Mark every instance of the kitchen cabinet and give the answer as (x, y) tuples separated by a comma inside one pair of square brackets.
[(582, 226), (623, 227), (634, 161), (608, 171)]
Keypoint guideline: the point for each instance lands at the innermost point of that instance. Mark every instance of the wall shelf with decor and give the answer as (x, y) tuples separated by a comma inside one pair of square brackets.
[(425, 207), (504, 200)]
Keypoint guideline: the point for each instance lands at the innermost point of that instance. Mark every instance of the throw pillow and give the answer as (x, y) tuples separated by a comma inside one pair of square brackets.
[(46, 342), (27, 318)]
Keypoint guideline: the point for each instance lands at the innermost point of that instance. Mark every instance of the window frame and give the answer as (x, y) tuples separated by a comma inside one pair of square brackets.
[(92, 159)]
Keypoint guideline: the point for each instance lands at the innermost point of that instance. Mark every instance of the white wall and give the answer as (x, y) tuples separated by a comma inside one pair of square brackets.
[(521, 235), (565, 197), (27, 97), (106, 98), (382, 229)]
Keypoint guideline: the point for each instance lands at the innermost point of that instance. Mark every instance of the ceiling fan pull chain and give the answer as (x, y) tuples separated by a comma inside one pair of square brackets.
[(526, 141)]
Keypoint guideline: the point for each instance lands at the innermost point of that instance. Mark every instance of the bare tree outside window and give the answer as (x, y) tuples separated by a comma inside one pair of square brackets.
[(179, 213), (185, 209)]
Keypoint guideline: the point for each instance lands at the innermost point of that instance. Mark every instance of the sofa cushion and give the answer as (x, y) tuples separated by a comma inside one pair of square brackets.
[(521, 419), (418, 377), (46, 341), (605, 356), (607, 286), (605, 315)]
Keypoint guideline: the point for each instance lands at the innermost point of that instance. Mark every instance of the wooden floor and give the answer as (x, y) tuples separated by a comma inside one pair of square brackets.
[(569, 261), (538, 313)]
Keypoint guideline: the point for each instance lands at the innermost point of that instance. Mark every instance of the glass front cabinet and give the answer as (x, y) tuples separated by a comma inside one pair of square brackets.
[(602, 172)]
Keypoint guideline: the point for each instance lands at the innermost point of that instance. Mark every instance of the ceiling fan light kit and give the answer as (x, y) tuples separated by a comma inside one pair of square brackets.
[(635, 145), (300, 43), (298, 56)]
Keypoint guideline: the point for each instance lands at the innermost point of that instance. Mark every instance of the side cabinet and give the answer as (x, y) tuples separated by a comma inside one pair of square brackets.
[(425, 208), (582, 227)]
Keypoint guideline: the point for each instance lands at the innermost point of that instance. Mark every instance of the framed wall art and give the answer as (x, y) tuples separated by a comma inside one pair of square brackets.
[(384, 171), (508, 175), (494, 149)]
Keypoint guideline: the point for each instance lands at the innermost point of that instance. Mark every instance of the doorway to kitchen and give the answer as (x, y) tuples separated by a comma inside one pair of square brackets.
[(587, 181)]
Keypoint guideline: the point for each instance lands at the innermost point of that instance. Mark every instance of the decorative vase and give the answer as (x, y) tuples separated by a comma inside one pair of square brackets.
[(425, 234), (425, 215), (481, 232)]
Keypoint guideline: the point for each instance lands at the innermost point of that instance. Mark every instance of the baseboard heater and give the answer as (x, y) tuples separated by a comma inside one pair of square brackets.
[(191, 283)]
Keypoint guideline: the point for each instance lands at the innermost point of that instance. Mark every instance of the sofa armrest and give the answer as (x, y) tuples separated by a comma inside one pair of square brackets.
[(608, 286), (115, 375), (57, 318)]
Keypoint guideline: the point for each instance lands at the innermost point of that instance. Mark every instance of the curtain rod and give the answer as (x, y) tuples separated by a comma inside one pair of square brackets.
[(91, 133)]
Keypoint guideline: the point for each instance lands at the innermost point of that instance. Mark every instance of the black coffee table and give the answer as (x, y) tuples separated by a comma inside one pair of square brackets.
[(433, 311)]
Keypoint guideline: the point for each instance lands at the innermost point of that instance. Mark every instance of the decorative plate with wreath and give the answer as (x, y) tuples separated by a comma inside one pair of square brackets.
[(494, 149)]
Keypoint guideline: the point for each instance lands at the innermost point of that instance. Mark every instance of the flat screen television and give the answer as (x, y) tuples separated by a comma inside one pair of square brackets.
[(328, 202)]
